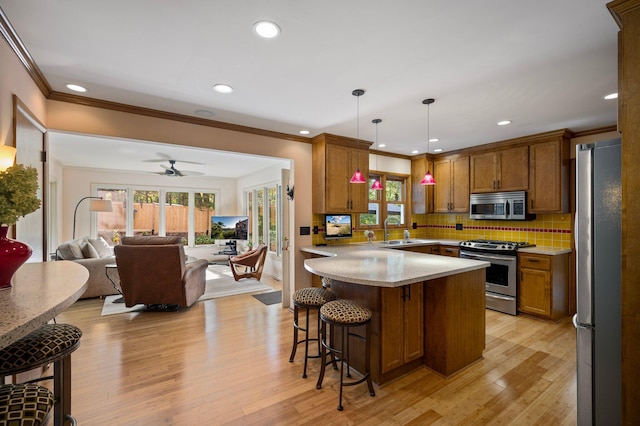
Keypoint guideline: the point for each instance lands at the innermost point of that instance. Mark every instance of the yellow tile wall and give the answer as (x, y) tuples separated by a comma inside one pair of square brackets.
[(549, 230)]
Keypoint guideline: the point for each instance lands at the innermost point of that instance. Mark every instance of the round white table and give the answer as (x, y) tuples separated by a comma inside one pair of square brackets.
[(39, 292)]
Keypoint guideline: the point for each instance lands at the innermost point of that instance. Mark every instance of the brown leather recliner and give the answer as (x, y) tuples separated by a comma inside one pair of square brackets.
[(152, 271)]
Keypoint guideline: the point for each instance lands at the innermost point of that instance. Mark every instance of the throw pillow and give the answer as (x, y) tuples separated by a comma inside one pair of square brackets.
[(70, 250), (88, 251), (101, 246)]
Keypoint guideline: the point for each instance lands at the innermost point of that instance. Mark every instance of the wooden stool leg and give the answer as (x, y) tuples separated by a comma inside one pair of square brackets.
[(306, 344), (323, 354), (295, 333)]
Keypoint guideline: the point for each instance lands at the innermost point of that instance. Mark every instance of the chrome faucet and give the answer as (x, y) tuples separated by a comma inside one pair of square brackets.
[(386, 231)]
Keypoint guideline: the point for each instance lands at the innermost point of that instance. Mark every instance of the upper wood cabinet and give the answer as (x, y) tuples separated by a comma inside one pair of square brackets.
[(334, 160), (549, 176), (504, 170), (451, 191), (421, 195)]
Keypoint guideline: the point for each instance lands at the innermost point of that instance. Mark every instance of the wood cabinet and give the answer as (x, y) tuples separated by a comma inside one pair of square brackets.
[(549, 176), (402, 314), (543, 285), (334, 160), (449, 251), (451, 191), (503, 170), (627, 15), (421, 195)]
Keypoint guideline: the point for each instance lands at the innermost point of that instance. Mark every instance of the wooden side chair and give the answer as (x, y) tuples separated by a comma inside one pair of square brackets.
[(252, 261)]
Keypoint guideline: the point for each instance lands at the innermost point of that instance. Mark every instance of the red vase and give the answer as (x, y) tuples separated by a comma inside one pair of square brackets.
[(12, 255)]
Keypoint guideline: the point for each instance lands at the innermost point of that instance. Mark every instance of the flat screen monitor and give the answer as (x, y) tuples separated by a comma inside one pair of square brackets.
[(230, 227), (337, 226)]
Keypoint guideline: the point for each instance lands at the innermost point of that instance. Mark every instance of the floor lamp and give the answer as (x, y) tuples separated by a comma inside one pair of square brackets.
[(97, 204)]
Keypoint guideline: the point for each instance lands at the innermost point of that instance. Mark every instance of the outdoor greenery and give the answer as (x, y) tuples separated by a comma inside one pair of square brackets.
[(18, 193)]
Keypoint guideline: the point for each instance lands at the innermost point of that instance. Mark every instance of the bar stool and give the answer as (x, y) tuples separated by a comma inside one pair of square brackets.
[(307, 299), (25, 404), (345, 314), (51, 343)]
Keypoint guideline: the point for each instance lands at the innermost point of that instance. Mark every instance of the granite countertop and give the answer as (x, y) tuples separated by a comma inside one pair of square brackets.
[(39, 292), (376, 265)]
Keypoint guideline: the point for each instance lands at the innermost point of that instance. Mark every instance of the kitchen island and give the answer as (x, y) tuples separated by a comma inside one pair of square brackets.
[(427, 309)]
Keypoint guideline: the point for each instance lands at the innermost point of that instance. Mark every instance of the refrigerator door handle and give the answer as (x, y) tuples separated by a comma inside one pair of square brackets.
[(575, 320)]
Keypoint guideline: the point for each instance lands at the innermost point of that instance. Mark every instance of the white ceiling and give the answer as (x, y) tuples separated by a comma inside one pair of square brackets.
[(543, 64)]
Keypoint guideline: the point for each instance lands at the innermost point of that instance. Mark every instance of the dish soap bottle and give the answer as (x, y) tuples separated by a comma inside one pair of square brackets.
[(406, 235)]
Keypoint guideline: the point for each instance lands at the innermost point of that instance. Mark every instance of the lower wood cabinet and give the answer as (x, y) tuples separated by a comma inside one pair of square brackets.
[(543, 285), (402, 337), (449, 251)]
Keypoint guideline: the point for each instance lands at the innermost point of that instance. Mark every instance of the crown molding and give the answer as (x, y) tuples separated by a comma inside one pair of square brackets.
[(23, 55)]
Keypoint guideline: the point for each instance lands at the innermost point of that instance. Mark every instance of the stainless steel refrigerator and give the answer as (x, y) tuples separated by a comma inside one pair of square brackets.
[(599, 264)]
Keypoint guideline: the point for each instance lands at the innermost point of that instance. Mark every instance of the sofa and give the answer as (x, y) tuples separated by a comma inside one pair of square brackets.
[(93, 254)]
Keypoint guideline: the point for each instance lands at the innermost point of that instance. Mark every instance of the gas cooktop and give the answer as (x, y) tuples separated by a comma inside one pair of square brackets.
[(492, 245)]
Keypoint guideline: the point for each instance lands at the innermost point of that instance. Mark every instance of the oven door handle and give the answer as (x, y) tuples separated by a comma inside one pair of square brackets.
[(495, 296), (486, 257)]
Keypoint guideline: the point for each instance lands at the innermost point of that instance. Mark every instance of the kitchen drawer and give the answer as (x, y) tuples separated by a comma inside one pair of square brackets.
[(534, 262)]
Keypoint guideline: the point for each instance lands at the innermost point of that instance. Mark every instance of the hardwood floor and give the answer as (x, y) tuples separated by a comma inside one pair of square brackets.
[(225, 362)]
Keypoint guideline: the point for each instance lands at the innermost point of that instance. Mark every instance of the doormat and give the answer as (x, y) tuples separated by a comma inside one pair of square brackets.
[(270, 298)]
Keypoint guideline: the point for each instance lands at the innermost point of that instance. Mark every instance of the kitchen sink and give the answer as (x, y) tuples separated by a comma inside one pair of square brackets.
[(400, 242)]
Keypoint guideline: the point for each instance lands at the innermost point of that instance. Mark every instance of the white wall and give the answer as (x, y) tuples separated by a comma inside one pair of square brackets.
[(389, 164)]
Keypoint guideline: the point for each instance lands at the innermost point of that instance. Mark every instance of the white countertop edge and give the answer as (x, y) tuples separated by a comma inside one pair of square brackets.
[(397, 283), (549, 251)]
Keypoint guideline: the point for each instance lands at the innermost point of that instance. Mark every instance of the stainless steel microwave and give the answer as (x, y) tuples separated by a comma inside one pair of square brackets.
[(499, 206)]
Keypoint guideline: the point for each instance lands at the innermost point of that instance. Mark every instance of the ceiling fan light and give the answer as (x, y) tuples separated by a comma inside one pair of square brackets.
[(428, 179)]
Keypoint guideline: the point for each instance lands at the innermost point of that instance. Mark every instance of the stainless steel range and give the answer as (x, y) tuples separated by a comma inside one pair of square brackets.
[(501, 287)]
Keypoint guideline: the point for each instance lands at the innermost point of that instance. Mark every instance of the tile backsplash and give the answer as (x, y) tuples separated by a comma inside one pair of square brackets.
[(549, 230)]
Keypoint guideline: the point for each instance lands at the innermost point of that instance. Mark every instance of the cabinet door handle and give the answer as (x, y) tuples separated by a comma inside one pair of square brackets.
[(409, 291), (531, 203), (498, 183), (533, 260), (403, 293)]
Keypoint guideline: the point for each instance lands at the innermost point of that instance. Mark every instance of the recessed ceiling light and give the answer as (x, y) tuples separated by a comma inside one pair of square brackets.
[(266, 29), (76, 88), (223, 88), (434, 140), (437, 150), (611, 96), (382, 145), (304, 132), (415, 151), (204, 113), (504, 122)]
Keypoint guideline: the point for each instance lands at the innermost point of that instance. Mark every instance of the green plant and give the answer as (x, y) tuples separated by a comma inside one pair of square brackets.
[(18, 193)]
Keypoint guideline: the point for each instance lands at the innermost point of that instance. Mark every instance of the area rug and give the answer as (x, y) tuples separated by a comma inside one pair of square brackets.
[(220, 283), (270, 298)]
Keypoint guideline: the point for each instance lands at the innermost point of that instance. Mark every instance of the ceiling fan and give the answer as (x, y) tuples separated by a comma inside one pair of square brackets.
[(172, 171)]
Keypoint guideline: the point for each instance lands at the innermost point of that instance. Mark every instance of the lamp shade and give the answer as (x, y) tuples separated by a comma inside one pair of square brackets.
[(7, 156), (100, 206), (376, 185), (428, 179), (357, 177)]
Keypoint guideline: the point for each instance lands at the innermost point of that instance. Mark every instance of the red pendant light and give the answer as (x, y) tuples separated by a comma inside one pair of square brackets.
[(357, 176), (428, 178), (376, 185)]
